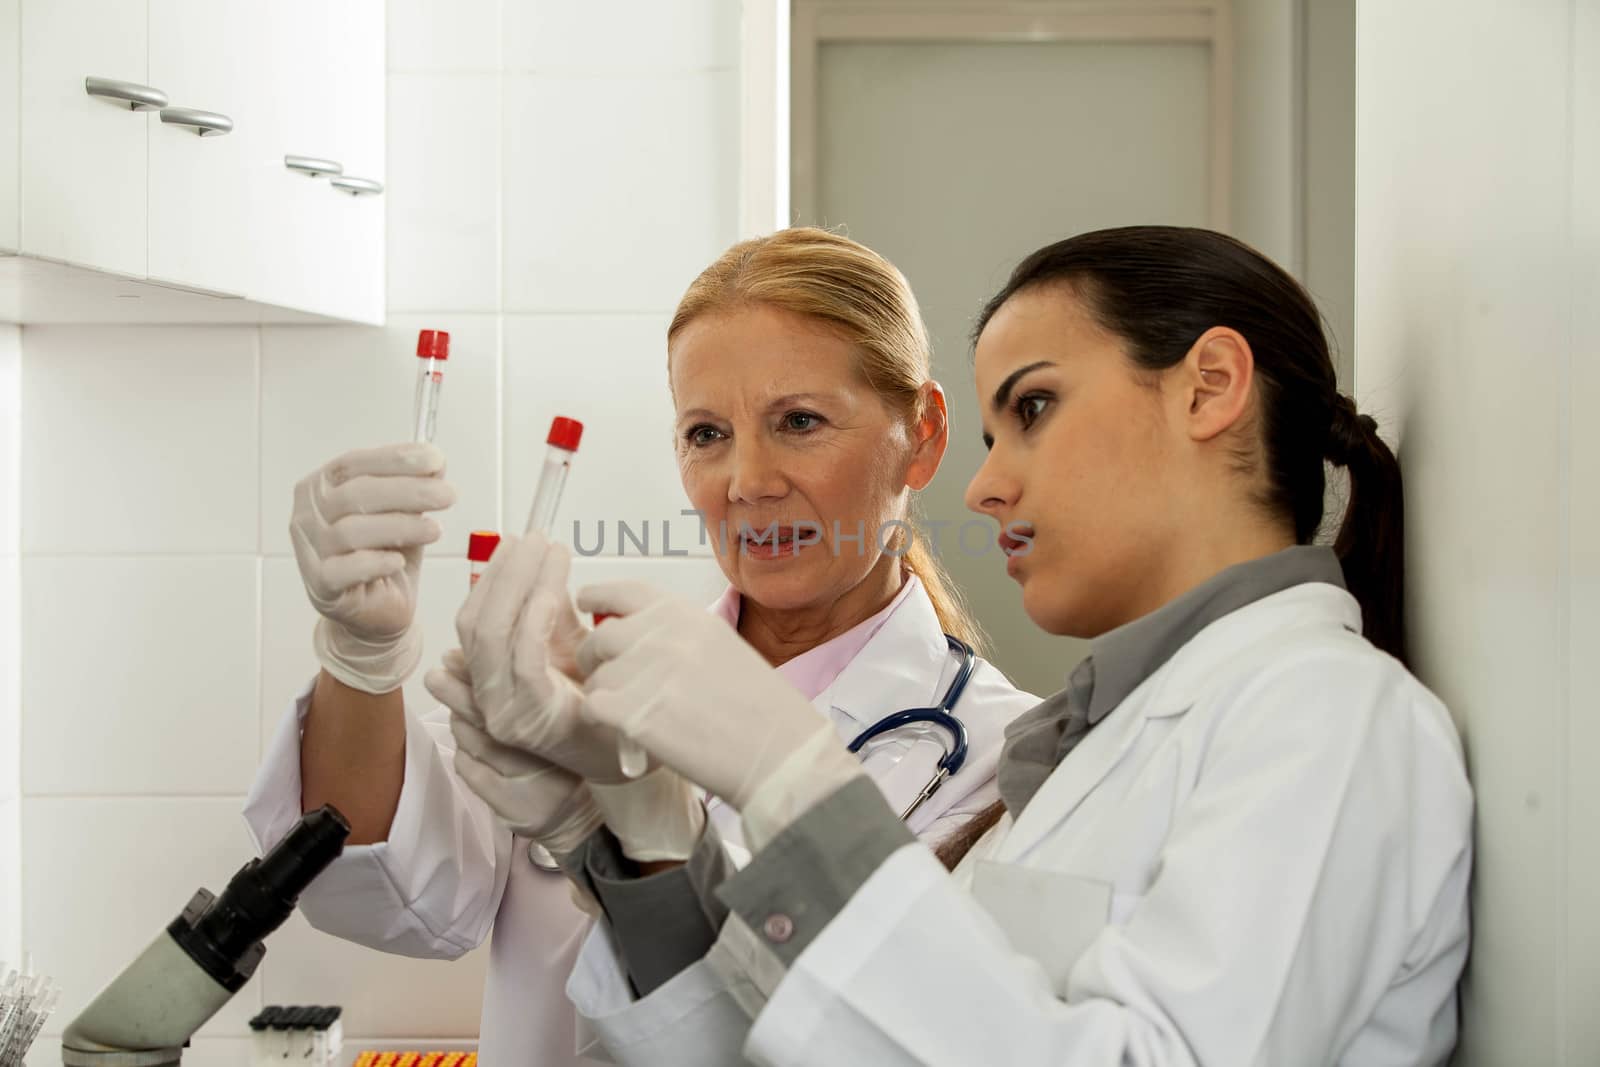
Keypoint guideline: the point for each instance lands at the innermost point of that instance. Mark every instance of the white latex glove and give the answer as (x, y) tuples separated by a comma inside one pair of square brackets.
[(657, 817), (525, 698), (358, 529), (532, 796), (685, 685)]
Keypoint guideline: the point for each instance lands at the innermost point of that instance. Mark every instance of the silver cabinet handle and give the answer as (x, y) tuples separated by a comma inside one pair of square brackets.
[(137, 97), (356, 186), (205, 123), (313, 166)]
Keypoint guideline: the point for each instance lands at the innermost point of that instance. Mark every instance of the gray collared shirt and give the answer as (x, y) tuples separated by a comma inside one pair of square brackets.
[(1119, 662)]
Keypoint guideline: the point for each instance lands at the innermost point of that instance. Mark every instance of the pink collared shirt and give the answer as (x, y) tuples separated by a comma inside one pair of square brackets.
[(814, 670)]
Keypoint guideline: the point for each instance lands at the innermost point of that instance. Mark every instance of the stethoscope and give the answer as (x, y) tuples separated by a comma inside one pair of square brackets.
[(941, 714)]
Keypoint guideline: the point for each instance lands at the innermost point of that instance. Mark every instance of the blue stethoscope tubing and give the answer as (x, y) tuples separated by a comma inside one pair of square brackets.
[(941, 715)]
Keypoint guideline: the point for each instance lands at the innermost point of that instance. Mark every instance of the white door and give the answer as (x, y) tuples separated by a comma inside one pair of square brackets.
[(83, 174), (206, 56), (955, 158)]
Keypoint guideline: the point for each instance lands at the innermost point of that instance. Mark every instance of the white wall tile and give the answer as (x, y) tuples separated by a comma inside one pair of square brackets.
[(287, 662), (381, 994), (326, 390), (139, 439), (10, 437), (618, 190), (10, 720), (624, 36), (103, 877), (10, 880), (10, 678), (10, 715), (444, 35), (610, 373), (152, 691), (443, 194)]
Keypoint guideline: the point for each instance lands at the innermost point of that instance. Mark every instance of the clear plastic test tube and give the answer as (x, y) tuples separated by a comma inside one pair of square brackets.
[(561, 445), (41, 1016), (433, 348)]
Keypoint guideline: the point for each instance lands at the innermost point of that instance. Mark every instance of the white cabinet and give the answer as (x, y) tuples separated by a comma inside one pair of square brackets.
[(204, 57), (187, 184), (330, 87), (358, 283), (83, 158)]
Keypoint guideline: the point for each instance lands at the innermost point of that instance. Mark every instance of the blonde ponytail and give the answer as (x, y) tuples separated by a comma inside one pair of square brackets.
[(948, 604)]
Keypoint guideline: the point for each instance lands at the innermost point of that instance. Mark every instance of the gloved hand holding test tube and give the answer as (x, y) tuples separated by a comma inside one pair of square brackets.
[(538, 762), (563, 445)]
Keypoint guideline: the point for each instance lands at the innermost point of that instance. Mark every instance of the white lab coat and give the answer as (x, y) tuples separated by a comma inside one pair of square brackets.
[(1260, 857), (449, 874)]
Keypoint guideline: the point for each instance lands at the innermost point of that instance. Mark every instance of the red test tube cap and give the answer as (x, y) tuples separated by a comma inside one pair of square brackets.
[(433, 344), (481, 545), (565, 433)]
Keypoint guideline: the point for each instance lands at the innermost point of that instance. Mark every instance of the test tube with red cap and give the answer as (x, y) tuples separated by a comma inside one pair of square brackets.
[(480, 546), (561, 445), (433, 348)]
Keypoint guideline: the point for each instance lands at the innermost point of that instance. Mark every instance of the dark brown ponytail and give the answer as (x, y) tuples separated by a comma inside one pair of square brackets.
[(1371, 541)]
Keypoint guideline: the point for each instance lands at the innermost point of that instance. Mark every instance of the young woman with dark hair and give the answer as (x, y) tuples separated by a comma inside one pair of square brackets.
[(1241, 835)]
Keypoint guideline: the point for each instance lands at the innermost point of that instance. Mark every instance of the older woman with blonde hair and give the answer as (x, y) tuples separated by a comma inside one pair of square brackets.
[(807, 420)]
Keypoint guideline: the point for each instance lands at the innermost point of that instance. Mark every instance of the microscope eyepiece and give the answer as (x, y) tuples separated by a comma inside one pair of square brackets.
[(224, 934)]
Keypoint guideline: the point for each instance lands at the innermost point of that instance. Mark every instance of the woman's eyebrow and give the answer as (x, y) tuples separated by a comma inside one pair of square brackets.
[(789, 400), (1003, 394)]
